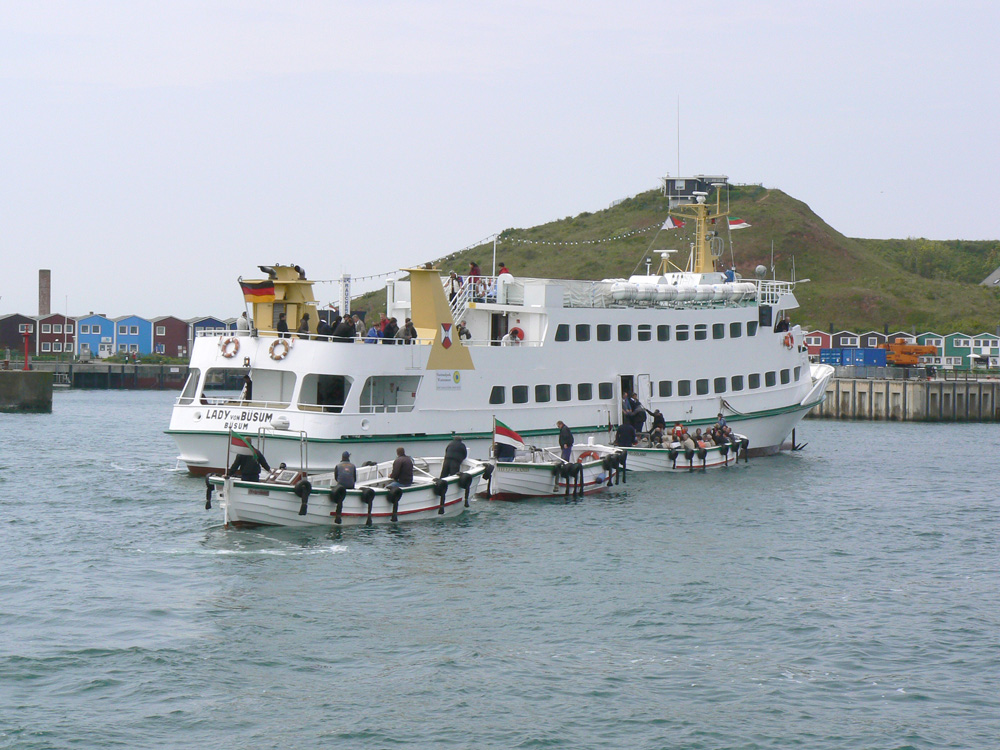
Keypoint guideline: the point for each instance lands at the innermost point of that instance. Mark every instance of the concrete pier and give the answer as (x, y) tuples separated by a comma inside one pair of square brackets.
[(911, 400), (22, 391)]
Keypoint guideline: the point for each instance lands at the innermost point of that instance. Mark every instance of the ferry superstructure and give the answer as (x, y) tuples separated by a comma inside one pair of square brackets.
[(691, 343)]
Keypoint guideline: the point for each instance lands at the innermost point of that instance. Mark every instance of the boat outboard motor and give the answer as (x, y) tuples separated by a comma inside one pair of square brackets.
[(302, 490)]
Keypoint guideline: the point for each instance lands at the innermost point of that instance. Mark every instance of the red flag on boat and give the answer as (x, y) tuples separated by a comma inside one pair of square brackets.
[(503, 435), (672, 223), (735, 223)]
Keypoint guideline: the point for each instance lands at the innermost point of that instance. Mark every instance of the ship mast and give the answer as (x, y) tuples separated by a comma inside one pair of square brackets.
[(702, 259)]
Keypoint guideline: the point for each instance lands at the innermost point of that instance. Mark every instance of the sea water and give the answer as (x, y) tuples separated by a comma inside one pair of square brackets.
[(846, 596)]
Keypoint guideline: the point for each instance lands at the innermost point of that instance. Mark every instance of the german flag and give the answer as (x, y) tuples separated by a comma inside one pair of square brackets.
[(258, 291)]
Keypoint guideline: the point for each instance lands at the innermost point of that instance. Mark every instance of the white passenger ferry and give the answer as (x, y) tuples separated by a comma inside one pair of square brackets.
[(690, 342)]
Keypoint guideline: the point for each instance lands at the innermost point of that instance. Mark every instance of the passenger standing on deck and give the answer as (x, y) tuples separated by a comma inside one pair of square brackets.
[(344, 332), (402, 469), (359, 326), (565, 441), (454, 285), (454, 454), (303, 329), (390, 331), (625, 435), (463, 332), (243, 325), (474, 269), (503, 268), (248, 466), (345, 472), (282, 326), (638, 413), (324, 330)]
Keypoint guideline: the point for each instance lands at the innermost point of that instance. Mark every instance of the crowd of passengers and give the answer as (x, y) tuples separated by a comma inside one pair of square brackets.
[(631, 431)]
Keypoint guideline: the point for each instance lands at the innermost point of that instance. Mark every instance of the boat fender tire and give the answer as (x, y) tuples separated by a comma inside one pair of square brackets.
[(208, 494), (702, 453), (229, 346), (303, 490), (672, 454), (465, 482), (393, 495), (368, 497), (337, 495), (575, 470), (587, 456), (724, 449), (744, 444), (488, 471), (368, 463), (441, 490)]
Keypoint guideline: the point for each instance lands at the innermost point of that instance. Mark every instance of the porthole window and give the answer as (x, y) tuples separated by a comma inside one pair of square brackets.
[(735, 330), (702, 386), (605, 391), (718, 330), (603, 332), (624, 332), (683, 387), (683, 333), (585, 391), (736, 382), (720, 385), (754, 380), (498, 395), (786, 377), (751, 328), (562, 332), (583, 332), (663, 333), (645, 333), (519, 394), (769, 378), (543, 393), (666, 388), (564, 392)]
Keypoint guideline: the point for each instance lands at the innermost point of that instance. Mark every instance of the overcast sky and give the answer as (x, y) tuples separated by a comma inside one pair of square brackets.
[(150, 153)]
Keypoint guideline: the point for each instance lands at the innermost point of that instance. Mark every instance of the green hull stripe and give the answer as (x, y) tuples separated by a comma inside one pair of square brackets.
[(489, 435)]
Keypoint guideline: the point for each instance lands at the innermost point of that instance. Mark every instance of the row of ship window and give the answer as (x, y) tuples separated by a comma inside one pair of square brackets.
[(519, 394), (699, 332)]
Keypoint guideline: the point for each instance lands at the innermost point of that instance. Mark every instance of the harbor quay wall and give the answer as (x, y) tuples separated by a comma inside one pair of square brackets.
[(104, 375), (910, 400), (25, 391)]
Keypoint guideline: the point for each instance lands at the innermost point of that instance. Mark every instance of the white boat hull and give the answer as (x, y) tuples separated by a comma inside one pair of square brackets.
[(676, 458), (273, 504), (533, 475)]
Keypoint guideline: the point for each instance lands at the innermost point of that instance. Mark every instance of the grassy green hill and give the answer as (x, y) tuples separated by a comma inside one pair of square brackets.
[(855, 284)]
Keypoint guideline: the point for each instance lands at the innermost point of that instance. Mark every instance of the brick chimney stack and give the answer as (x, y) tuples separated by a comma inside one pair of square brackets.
[(44, 291)]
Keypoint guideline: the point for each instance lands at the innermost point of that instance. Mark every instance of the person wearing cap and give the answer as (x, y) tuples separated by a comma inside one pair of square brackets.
[(454, 453), (345, 472), (722, 420)]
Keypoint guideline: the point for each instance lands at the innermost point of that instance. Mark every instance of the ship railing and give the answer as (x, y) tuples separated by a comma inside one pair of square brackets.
[(770, 291)]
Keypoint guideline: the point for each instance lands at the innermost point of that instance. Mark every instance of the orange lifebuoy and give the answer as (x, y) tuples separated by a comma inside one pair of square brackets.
[(279, 349), (588, 456), (518, 333), (789, 341), (230, 346)]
